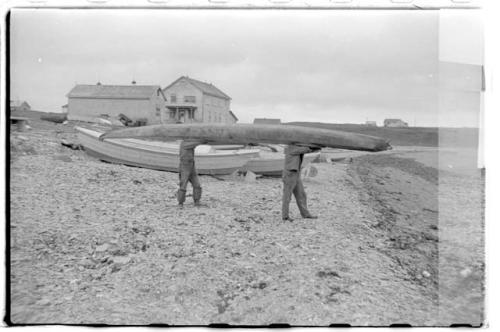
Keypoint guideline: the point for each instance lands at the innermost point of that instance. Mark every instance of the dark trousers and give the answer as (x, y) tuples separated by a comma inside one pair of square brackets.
[(293, 184), (188, 174)]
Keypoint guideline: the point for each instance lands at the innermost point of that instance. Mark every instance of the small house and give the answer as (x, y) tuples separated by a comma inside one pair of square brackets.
[(19, 105), (395, 123)]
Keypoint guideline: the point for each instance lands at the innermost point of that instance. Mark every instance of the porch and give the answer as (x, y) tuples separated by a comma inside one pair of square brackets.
[(180, 114)]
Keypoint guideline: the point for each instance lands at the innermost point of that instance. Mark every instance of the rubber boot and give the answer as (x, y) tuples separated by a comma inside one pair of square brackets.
[(181, 196), (197, 195)]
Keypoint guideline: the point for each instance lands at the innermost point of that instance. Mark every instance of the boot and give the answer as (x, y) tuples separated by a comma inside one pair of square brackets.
[(197, 195), (181, 196)]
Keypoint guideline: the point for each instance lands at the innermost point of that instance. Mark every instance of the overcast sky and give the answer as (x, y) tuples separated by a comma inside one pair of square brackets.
[(327, 66)]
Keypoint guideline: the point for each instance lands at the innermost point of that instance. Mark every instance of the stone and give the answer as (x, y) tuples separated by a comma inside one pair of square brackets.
[(121, 260), (235, 176), (250, 177), (63, 158), (466, 272), (426, 274), (312, 171), (86, 263), (102, 248), (43, 302)]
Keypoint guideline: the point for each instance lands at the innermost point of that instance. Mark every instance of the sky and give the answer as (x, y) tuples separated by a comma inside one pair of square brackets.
[(296, 65)]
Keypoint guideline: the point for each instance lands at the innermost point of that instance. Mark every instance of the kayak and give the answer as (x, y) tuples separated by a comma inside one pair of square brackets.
[(255, 134)]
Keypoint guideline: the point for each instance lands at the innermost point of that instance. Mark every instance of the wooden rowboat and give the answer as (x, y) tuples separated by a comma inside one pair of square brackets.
[(255, 134), (161, 155)]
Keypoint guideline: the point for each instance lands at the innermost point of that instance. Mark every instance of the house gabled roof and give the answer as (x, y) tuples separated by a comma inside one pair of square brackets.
[(233, 115), (113, 91), (206, 88)]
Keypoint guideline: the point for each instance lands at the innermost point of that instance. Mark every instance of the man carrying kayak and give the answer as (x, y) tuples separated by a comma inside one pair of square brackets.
[(187, 172), (294, 155)]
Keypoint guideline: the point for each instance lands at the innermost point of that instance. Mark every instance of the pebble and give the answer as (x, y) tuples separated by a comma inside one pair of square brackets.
[(426, 274), (102, 248), (43, 302), (121, 260), (466, 272), (63, 158)]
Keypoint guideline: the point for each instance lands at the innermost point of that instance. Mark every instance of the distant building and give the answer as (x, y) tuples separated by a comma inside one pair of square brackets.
[(89, 102), (190, 100), (395, 123), (371, 123), (18, 105), (266, 121), (64, 108)]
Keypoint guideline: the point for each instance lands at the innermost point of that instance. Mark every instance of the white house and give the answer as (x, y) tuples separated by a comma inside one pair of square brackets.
[(190, 100)]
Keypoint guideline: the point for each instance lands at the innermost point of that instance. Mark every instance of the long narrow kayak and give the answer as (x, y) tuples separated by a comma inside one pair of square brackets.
[(255, 134)]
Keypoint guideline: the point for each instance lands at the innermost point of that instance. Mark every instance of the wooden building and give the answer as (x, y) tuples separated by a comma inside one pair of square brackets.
[(190, 100), (137, 102), (19, 105), (395, 123)]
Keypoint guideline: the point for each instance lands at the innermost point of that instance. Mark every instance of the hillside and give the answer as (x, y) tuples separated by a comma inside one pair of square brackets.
[(411, 136)]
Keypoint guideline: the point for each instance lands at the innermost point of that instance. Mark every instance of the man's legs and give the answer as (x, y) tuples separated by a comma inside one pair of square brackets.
[(301, 198), (289, 182), (183, 181), (195, 182)]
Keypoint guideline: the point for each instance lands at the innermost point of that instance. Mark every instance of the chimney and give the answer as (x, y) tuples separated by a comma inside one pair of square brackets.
[(133, 82)]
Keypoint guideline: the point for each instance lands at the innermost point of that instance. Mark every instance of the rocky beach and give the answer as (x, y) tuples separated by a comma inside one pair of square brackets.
[(399, 240)]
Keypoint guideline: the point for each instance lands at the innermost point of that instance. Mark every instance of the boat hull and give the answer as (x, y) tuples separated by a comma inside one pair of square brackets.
[(159, 155)]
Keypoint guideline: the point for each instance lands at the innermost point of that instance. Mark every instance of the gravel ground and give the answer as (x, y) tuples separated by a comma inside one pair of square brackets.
[(93, 242)]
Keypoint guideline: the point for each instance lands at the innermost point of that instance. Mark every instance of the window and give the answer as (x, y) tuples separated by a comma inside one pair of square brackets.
[(189, 99), (157, 111), (173, 98)]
